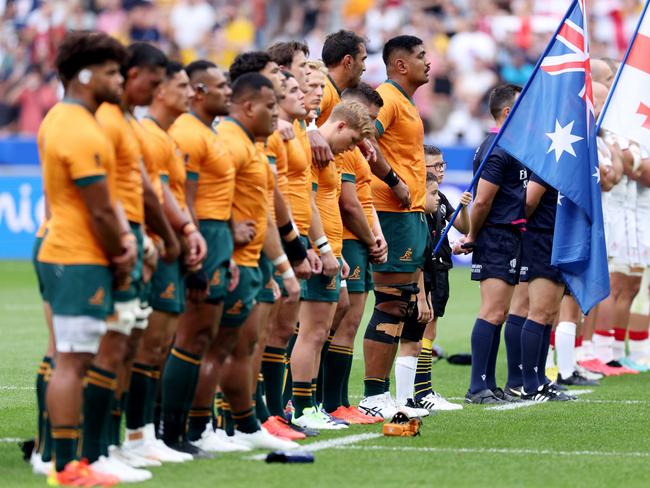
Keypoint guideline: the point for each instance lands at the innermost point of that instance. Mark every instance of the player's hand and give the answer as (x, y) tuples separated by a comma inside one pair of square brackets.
[(330, 264), (320, 149), (379, 252), (464, 245), (345, 269), (243, 232), (465, 198), (314, 261), (172, 250), (277, 293), (195, 249), (424, 309), (124, 263), (368, 150), (234, 276), (292, 287), (303, 270), (197, 285), (286, 130), (402, 193)]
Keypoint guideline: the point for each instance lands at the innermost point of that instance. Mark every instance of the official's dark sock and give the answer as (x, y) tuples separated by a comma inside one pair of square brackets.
[(512, 338), (64, 441), (99, 390), (138, 395), (387, 384), (301, 397), (274, 367), (179, 385), (261, 409), (373, 386), (197, 419), (335, 367), (532, 339), (228, 422), (483, 335), (320, 385), (314, 387), (541, 368), (345, 387), (422, 384), (246, 421), (288, 379), (491, 379), (152, 396)]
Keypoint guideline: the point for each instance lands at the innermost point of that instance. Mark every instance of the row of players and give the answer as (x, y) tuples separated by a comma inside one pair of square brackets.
[(512, 222), (182, 250)]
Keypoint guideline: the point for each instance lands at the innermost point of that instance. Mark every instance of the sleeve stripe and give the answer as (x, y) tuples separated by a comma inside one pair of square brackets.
[(89, 180), (271, 160), (314, 187), (379, 127), (349, 178), (164, 179), (192, 175)]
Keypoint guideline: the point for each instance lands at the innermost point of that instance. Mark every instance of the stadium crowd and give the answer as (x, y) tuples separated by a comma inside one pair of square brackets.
[(205, 264), (472, 44)]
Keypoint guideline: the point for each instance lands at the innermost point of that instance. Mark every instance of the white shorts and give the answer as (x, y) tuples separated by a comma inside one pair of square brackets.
[(78, 333)]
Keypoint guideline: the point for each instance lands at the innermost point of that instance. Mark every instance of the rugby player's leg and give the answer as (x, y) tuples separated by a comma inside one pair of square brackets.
[(283, 321), (184, 369), (603, 337), (638, 342), (512, 335), (630, 289), (422, 383), (341, 307), (257, 379)]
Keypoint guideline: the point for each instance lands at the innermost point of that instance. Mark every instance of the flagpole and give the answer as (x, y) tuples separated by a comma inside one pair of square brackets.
[(503, 127), (620, 70)]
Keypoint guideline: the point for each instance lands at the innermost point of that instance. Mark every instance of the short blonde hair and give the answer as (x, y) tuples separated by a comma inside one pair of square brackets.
[(355, 114), (318, 65)]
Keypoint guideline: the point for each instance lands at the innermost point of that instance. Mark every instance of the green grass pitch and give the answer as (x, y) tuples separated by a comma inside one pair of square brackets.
[(600, 440)]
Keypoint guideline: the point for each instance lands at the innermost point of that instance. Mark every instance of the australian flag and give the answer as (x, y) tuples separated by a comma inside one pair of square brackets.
[(551, 130)]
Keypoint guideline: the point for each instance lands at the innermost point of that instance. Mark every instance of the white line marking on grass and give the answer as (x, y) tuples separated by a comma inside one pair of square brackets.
[(10, 439), (513, 406), (329, 444), (12, 387), (494, 450)]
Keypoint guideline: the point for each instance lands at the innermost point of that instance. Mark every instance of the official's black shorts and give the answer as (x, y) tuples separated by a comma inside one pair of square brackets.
[(413, 330), (497, 254), (440, 292), (537, 248)]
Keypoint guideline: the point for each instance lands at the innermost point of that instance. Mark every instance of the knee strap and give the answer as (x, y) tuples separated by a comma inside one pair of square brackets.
[(384, 327), (404, 294)]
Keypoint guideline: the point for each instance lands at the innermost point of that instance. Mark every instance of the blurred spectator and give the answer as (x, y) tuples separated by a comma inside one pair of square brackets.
[(33, 96)]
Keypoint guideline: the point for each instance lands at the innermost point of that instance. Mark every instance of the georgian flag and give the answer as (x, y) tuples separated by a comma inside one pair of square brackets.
[(627, 112)]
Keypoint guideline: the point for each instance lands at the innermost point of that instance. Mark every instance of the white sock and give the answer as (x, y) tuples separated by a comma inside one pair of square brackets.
[(618, 350), (587, 350), (603, 347), (639, 349), (550, 358), (565, 340), (405, 367)]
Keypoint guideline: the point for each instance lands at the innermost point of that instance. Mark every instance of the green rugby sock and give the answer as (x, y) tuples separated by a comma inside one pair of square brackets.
[(345, 400), (335, 366), (197, 419), (64, 441), (274, 367), (138, 395), (261, 410), (301, 396), (99, 390), (246, 421)]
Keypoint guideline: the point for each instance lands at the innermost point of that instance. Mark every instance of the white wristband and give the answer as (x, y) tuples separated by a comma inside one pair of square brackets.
[(312, 126), (325, 249), (288, 274), (280, 259), (320, 241)]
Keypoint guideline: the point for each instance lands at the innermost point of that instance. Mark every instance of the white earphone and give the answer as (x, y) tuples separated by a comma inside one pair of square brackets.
[(85, 76)]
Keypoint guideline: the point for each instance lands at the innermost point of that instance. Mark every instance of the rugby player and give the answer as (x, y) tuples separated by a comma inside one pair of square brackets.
[(88, 247), (167, 295), (209, 189), (496, 218), (348, 124), (400, 135)]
